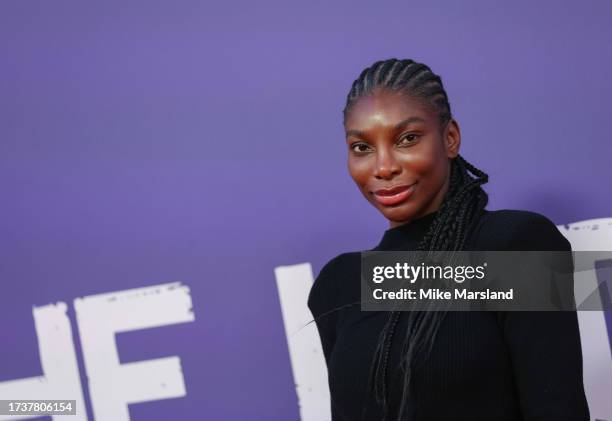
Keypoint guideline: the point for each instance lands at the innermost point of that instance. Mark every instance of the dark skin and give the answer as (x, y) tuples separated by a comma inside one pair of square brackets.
[(393, 140)]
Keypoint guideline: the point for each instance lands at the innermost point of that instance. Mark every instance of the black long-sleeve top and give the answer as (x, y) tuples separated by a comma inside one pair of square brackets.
[(484, 365)]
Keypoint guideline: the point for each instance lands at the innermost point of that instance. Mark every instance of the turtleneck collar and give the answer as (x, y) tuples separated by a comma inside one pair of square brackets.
[(406, 235)]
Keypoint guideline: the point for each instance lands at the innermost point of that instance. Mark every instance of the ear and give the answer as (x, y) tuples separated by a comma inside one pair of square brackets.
[(452, 138)]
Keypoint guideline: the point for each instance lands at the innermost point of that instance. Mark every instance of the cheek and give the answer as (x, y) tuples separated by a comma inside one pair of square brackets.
[(428, 165), (359, 169), (424, 163)]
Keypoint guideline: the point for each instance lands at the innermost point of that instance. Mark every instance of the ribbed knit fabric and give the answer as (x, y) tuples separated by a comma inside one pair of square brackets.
[(489, 366)]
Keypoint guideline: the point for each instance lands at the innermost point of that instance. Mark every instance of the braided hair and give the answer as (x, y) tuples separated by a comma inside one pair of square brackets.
[(450, 229)]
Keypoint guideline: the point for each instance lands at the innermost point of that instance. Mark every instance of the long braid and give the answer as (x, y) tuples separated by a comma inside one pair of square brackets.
[(450, 229)]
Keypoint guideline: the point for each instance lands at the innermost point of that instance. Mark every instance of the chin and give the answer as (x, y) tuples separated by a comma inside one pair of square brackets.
[(398, 214)]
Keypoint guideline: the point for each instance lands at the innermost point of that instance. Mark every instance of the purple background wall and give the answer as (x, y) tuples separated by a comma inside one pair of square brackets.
[(149, 142)]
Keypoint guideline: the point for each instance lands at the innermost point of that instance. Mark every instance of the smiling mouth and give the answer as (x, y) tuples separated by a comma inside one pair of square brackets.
[(394, 196)]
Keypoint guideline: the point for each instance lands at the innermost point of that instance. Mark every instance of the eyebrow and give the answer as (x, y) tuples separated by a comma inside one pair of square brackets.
[(398, 126)]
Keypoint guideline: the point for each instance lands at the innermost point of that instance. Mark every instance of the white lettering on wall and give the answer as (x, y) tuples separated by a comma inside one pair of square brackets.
[(60, 379), (112, 386), (594, 234), (305, 351)]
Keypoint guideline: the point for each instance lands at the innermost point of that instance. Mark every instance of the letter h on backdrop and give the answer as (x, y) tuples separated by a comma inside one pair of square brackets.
[(112, 385)]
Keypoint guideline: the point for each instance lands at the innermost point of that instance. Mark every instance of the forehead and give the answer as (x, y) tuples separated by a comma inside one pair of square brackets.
[(385, 108)]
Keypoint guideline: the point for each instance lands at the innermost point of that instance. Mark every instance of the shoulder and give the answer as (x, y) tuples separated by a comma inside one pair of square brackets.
[(513, 229), (327, 286)]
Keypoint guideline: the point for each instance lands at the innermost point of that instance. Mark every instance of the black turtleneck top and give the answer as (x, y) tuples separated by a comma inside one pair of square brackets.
[(484, 366)]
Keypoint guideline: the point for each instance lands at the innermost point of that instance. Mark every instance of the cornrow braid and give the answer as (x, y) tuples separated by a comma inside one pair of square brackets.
[(416, 79), (462, 204)]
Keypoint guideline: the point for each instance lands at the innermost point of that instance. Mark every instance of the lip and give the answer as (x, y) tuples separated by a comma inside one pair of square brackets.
[(394, 195)]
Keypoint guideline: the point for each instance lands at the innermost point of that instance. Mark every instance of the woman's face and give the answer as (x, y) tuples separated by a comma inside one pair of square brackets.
[(399, 155)]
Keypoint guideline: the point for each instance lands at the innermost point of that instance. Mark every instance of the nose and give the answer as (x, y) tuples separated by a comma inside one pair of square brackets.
[(386, 165)]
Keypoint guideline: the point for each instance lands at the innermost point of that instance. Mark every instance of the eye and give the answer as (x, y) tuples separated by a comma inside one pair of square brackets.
[(408, 139), (355, 147)]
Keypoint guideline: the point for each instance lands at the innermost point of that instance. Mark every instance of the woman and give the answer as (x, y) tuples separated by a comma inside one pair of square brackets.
[(403, 146)]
